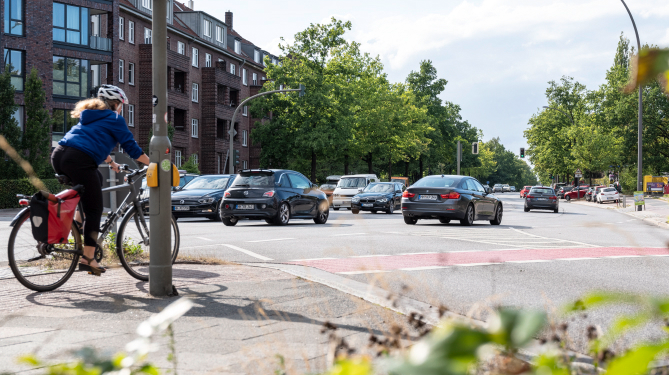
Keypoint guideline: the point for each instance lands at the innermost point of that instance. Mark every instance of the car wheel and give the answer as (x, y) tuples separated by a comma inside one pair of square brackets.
[(444, 221), (410, 220), (526, 209), (498, 215), (355, 212), (349, 208), (283, 215), (269, 221), (322, 216), (230, 221), (391, 208), (567, 198), (469, 216), (335, 208)]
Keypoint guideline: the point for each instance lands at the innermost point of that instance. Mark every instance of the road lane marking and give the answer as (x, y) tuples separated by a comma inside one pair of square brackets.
[(205, 238), (247, 252), (623, 256), (423, 268), (361, 272), (273, 239), (474, 264), (347, 234), (527, 261), (310, 260)]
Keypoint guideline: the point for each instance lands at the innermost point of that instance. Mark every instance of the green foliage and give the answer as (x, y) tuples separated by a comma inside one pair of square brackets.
[(508, 168), (36, 143), (170, 135), (190, 166), (8, 126), (9, 189)]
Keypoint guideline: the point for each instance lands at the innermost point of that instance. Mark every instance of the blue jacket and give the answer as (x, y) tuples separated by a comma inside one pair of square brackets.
[(97, 134)]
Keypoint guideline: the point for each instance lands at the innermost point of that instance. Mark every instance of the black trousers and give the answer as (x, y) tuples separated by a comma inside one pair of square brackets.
[(82, 170)]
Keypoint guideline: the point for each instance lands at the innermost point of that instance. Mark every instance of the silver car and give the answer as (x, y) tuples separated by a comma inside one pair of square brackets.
[(506, 188)]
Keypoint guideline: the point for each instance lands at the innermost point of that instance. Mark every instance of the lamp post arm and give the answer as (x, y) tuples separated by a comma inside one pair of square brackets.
[(231, 159)]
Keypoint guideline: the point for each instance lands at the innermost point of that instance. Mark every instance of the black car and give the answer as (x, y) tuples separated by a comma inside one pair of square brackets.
[(542, 198), (201, 197), (378, 196), (275, 195), (449, 197)]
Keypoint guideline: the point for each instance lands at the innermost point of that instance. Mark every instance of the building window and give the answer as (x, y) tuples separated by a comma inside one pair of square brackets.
[(70, 24), (245, 164), (177, 158), (121, 70), (194, 128), (196, 93), (263, 59), (196, 58), (232, 69), (207, 28), (238, 46), (148, 36), (148, 4), (244, 81), (61, 123), (245, 111), (14, 17), (121, 28), (219, 34), (18, 116), (196, 159), (131, 115), (131, 32), (16, 60), (70, 77), (207, 60), (181, 48), (131, 73), (256, 56), (244, 138), (255, 79)]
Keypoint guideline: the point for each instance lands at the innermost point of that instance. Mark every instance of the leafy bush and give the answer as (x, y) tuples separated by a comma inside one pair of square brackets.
[(9, 189)]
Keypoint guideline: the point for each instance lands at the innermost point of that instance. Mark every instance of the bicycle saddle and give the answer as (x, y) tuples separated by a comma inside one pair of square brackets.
[(63, 180)]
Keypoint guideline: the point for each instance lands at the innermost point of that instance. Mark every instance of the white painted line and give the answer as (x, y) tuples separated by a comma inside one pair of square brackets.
[(660, 255), (527, 261), (623, 256), (247, 252), (309, 260), (347, 234), (273, 239), (434, 252), (361, 272), (423, 268), (474, 264), (575, 258), (205, 238)]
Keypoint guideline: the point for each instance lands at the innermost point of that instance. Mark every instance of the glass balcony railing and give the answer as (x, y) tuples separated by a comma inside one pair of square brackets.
[(100, 44)]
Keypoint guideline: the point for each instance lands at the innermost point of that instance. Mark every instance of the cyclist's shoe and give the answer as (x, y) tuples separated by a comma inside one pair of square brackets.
[(97, 271)]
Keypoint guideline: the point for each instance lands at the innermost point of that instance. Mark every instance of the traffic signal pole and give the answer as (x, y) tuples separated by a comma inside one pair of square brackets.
[(160, 207)]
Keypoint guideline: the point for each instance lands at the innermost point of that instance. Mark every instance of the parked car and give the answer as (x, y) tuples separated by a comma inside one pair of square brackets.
[(448, 197), (607, 194), (329, 186), (201, 197), (497, 188), (542, 198), (576, 193), (506, 188), (524, 191), (512, 189), (348, 187), (378, 196), (276, 195), (563, 190), (402, 180)]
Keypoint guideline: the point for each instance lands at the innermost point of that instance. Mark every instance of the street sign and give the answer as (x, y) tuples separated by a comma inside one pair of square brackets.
[(475, 148), (639, 199), (578, 173), (233, 132)]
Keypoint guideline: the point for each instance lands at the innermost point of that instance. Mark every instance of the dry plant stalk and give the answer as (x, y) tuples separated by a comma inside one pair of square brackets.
[(11, 152)]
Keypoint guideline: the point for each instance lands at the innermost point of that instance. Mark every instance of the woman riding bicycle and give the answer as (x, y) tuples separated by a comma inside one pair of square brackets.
[(86, 146)]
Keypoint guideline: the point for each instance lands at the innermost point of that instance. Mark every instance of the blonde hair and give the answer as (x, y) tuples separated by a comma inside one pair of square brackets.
[(95, 104)]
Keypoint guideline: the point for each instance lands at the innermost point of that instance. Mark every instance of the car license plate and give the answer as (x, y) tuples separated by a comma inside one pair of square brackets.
[(244, 206), (542, 199), (428, 197), (367, 205), (181, 208)]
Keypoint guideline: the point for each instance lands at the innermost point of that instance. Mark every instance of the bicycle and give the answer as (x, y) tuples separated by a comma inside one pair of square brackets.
[(42, 267)]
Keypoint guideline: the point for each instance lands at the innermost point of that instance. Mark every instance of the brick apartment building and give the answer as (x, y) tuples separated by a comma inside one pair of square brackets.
[(78, 44)]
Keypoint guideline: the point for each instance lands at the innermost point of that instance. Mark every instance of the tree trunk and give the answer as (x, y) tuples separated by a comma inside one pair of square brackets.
[(390, 168), (406, 169), (420, 166), (369, 163), (346, 164), (313, 166)]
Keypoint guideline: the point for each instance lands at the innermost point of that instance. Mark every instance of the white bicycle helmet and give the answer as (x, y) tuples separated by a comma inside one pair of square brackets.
[(111, 92)]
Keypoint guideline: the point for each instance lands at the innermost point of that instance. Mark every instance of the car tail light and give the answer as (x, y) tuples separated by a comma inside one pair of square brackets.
[(451, 195), (269, 194), (530, 196), (406, 194), (227, 194), (553, 197)]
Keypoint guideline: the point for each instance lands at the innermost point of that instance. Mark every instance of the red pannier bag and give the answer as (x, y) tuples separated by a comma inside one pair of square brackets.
[(51, 217)]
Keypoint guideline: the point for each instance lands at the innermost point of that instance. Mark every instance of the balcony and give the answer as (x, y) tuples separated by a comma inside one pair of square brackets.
[(100, 44)]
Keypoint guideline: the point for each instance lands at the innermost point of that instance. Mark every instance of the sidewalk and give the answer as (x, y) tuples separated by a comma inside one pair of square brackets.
[(656, 211), (243, 318)]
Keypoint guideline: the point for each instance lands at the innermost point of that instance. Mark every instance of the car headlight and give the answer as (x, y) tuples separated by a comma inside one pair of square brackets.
[(207, 200), (383, 200), (355, 199)]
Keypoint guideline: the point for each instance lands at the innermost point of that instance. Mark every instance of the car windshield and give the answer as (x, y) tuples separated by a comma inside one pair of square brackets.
[(438, 182), (497, 185), (542, 191), (379, 188), (254, 180), (328, 186), (212, 183), (609, 189), (352, 182)]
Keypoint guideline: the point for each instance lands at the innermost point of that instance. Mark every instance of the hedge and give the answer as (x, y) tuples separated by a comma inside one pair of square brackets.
[(9, 189)]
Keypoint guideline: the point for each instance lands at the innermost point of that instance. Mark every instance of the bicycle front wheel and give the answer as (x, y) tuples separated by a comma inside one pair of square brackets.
[(133, 247), (39, 266)]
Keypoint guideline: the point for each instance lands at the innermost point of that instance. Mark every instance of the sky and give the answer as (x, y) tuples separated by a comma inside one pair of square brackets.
[(497, 55)]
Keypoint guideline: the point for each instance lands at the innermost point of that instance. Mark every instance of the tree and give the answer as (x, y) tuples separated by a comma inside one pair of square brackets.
[(190, 166), (9, 127), (36, 137), (595, 148)]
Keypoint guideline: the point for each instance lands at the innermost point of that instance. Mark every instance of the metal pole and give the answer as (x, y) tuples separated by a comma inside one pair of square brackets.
[(639, 172), (459, 154), (231, 160), (160, 263)]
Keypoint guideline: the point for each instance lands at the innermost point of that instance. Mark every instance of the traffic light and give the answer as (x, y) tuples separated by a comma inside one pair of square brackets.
[(522, 152), (475, 148), (302, 90), (236, 157)]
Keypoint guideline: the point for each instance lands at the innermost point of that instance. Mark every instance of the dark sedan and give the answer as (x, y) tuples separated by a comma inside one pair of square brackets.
[(447, 197), (378, 196), (275, 195), (201, 197), (542, 198)]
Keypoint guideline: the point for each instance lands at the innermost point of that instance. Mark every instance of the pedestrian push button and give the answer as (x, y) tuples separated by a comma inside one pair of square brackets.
[(152, 175)]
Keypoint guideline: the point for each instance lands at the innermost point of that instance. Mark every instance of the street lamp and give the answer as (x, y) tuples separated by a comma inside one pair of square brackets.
[(639, 171), (232, 132)]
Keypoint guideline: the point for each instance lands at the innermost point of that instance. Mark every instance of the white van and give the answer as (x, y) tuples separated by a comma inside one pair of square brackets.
[(348, 186)]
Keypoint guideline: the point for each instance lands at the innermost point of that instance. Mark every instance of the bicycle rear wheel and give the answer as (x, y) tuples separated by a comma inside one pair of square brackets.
[(38, 266), (133, 247)]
